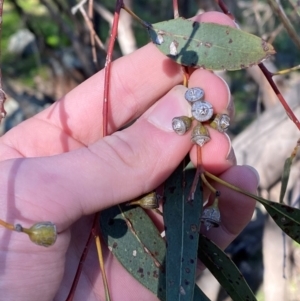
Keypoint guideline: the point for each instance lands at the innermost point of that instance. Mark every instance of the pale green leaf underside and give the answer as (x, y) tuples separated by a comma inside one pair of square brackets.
[(137, 244), (209, 45)]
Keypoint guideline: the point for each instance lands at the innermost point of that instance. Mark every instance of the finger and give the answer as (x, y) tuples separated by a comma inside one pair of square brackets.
[(113, 170), (236, 209), (136, 82), (216, 154)]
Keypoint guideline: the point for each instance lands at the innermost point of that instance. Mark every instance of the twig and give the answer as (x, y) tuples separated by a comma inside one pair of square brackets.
[(92, 35), (101, 261), (175, 9), (88, 22), (2, 93), (80, 265), (126, 39), (225, 10), (7, 225), (269, 78), (111, 44), (277, 9), (288, 110)]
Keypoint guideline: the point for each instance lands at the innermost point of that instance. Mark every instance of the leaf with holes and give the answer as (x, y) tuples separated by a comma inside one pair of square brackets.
[(135, 241), (208, 45), (133, 238), (224, 270), (286, 217), (182, 215)]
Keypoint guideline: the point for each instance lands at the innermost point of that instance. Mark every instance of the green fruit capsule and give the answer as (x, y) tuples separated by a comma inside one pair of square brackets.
[(149, 201), (42, 233)]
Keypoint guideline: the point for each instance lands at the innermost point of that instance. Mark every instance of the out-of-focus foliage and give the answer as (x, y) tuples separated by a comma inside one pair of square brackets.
[(61, 44)]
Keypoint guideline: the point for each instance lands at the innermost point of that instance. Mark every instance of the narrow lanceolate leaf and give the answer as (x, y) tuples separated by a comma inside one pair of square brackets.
[(286, 217), (199, 295), (285, 178), (286, 172), (182, 223), (224, 270), (137, 244), (135, 241), (209, 45)]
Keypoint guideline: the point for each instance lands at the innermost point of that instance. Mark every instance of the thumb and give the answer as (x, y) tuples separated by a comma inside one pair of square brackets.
[(115, 169)]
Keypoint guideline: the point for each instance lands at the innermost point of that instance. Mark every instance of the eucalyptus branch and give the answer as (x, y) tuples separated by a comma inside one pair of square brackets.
[(224, 8), (111, 44), (175, 9), (268, 76), (288, 110), (79, 269), (94, 36), (277, 9), (2, 93)]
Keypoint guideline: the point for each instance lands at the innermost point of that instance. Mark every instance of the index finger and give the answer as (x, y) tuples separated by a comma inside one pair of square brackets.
[(136, 82)]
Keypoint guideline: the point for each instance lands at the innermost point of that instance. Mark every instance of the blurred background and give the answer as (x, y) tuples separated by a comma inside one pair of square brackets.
[(46, 51)]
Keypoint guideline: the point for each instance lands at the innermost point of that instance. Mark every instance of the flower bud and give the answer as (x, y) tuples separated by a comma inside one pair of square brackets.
[(200, 135), (181, 124), (211, 215), (42, 233), (149, 201)]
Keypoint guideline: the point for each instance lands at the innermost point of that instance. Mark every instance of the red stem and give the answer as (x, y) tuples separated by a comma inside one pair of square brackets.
[(199, 170), (267, 74), (94, 231), (288, 110), (225, 10), (81, 261), (2, 93), (175, 9), (111, 44)]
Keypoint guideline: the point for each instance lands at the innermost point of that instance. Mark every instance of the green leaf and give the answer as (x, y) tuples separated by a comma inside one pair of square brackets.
[(286, 171), (182, 215), (199, 295), (135, 241), (209, 45), (286, 217), (224, 270), (127, 230), (285, 178)]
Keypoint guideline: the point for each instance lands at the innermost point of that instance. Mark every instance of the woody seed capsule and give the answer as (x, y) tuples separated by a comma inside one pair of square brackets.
[(194, 94), (181, 124), (200, 135)]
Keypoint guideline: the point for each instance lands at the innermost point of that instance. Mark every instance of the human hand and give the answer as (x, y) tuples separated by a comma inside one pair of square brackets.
[(60, 169)]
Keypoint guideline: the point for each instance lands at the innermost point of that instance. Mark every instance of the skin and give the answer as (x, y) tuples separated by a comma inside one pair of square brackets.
[(55, 166)]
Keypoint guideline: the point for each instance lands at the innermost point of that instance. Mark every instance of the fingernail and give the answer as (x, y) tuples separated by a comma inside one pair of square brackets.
[(227, 87), (231, 108), (173, 104), (230, 155)]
